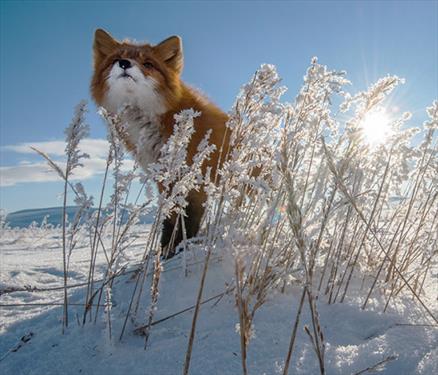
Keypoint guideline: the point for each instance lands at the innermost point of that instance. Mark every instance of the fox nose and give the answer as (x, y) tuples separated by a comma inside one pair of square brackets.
[(124, 64)]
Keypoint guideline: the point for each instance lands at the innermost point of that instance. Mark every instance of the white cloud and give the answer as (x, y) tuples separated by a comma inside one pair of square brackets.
[(31, 172), (93, 147)]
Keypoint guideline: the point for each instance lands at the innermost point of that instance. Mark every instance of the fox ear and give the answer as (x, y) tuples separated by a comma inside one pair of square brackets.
[(171, 51), (103, 45)]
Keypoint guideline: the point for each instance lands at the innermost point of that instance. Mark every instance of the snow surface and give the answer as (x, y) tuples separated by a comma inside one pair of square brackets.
[(355, 339)]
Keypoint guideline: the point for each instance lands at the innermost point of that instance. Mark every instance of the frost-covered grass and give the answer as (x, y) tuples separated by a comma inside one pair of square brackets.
[(318, 245)]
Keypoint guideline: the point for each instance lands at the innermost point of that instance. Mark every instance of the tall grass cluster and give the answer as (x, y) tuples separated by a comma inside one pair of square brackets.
[(302, 199)]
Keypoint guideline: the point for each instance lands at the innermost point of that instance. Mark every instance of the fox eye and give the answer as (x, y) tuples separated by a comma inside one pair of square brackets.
[(148, 65)]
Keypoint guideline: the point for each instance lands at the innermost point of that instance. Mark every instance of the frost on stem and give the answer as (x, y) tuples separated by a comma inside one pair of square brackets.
[(76, 131), (172, 171)]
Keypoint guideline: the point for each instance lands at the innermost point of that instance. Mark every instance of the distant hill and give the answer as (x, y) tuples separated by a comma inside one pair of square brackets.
[(23, 218)]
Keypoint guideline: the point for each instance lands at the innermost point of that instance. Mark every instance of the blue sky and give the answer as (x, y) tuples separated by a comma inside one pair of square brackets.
[(46, 62)]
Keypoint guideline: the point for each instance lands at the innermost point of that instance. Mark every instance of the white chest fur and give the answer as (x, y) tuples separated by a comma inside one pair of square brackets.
[(141, 117), (143, 132)]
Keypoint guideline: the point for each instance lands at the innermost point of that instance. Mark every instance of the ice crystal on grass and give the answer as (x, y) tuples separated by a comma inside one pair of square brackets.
[(172, 170), (76, 131)]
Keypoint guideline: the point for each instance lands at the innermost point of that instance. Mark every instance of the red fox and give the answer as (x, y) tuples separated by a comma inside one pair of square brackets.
[(147, 77)]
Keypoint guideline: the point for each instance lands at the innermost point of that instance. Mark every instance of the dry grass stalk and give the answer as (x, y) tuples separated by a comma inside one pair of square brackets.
[(195, 314), (294, 333)]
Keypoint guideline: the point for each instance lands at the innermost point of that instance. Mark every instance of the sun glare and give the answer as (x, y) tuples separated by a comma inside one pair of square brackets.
[(375, 126)]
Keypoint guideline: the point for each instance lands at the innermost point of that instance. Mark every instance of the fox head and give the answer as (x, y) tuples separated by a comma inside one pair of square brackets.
[(141, 75)]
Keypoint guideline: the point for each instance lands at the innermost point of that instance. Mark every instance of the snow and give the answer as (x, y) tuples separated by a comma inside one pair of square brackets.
[(355, 339)]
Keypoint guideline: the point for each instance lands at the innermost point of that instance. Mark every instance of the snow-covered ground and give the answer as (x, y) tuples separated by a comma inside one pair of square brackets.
[(355, 340)]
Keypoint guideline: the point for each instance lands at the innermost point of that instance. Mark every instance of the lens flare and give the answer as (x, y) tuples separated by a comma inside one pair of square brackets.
[(375, 127)]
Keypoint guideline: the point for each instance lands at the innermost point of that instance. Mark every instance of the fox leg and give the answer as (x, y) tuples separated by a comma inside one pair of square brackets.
[(195, 210), (167, 242), (172, 233)]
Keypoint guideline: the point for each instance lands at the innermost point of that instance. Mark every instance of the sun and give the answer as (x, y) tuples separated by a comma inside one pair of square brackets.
[(375, 127)]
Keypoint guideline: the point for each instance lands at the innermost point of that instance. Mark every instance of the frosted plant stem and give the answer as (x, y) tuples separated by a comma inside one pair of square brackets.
[(143, 280), (184, 233), (138, 275), (195, 313), (150, 246), (421, 170), (348, 253), (125, 230), (142, 273), (294, 333), (403, 285), (64, 255), (336, 258), (324, 222), (326, 261), (408, 256), (317, 332), (110, 265), (377, 366), (108, 311), (242, 319), (368, 225), (94, 245), (382, 263), (154, 294), (122, 217), (426, 270), (428, 262)]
